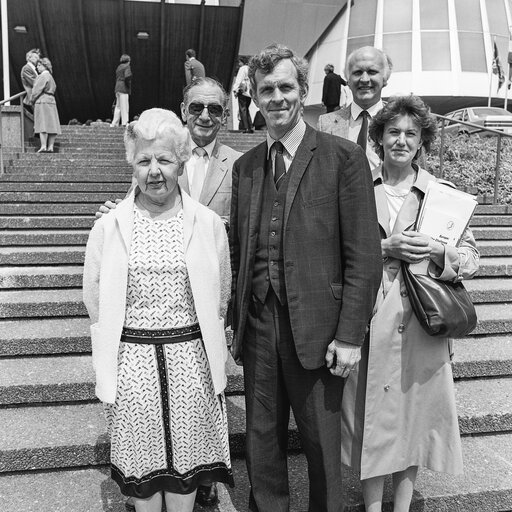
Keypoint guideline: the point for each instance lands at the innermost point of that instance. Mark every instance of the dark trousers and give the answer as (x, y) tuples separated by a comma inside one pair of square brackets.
[(330, 108), (274, 381), (245, 117)]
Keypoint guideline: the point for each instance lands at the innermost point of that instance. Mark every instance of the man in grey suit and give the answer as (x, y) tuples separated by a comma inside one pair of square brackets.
[(207, 176), (193, 68), (367, 70), (29, 75)]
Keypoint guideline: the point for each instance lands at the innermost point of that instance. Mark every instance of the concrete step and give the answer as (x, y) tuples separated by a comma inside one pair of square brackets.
[(70, 170), (495, 267), (55, 197), (495, 248), (482, 356), (492, 233), (491, 220), (41, 303), (493, 209), (115, 188), (70, 255), (66, 161), (28, 209), (46, 222), (44, 237), (60, 177), (489, 290), (44, 336), (59, 436), (41, 277), (493, 319), (65, 378), (70, 378), (484, 487)]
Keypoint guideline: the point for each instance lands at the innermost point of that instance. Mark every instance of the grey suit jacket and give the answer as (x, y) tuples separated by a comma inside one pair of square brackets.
[(28, 77), (337, 123), (216, 192)]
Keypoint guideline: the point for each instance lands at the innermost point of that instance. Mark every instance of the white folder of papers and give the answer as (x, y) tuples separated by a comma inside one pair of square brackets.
[(445, 213)]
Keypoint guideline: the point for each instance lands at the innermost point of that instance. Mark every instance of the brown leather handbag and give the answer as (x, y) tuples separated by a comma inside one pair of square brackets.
[(443, 308)]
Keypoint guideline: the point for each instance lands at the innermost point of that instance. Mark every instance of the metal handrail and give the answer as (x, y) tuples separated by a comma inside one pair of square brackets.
[(479, 128), (22, 127)]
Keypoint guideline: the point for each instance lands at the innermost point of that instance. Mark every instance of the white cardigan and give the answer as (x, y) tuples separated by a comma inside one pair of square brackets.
[(106, 277)]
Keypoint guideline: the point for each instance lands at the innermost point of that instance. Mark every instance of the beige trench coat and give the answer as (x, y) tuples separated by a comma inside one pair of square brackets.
[(399, 405)]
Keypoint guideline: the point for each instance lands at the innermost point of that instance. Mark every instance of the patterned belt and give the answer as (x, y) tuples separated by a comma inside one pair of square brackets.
[(161, 336)]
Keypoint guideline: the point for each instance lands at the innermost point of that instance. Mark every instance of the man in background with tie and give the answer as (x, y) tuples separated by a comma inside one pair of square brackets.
[(306, 262), (207, 176), (367, 70)]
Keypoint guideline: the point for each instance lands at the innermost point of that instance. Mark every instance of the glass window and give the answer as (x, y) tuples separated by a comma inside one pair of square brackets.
[(468, 15), (358, 42), (397, 16), (434, 14), (399, 47), (472, 52), (362, 18), (435, 51), (497, 16)]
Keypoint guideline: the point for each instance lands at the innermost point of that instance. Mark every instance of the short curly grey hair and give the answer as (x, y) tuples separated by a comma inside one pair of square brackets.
[(158, 123), (269, 57)]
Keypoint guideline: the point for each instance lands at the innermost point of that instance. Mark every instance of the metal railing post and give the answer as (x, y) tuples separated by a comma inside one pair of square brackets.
[(1, 144), (441, 150), (22, 127), (497, 171)]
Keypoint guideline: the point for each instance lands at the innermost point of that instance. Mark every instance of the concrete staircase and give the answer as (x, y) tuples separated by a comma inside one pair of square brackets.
[(53, 444)]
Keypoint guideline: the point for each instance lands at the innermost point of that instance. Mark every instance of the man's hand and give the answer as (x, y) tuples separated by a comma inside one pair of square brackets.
[(105, 208), (341, 358)]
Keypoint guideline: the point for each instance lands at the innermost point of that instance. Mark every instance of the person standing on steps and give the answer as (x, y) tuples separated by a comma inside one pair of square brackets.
[(156, 287), (242, 91), (206, 177), (29, 75), (122, 90), (331, 90), (193, 68), (46, 116), (306, 263), (367, 70)]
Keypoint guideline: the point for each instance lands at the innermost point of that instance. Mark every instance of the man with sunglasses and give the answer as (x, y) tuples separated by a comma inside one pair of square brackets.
[(207, 176)]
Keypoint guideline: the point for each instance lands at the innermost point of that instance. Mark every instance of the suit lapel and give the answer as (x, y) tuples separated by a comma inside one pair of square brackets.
[(183, 180), (256, 196), (298, 168), (217, 170)]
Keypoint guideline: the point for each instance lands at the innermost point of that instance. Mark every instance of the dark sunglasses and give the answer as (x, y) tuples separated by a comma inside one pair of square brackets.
[(214, 109)]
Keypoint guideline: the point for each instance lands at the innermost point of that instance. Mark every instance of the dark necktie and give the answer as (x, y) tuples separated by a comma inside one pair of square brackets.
[(362, 138), (279, 167)]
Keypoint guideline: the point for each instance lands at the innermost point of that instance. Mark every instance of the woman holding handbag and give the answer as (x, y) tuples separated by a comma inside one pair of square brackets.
[(399, 405)]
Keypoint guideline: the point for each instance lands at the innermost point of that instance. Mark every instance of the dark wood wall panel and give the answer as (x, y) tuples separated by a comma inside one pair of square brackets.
[(83, 41)]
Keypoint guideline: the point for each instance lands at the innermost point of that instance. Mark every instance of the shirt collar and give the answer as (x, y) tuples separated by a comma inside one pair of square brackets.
[(355, 109), (208, 148), (290, 140)]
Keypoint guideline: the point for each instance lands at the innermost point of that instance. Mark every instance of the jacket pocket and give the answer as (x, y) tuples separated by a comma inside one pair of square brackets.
[(337, 290), (317, 201)]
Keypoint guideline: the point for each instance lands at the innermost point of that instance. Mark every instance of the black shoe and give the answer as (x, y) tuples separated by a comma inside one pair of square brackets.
[(129, 506), (207, 495)]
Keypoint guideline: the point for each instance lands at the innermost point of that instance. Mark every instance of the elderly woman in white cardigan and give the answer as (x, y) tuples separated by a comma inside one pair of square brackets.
[(156, 286)]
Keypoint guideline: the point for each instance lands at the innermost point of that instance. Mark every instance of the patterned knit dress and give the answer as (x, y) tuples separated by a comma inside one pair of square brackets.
[(168, 428)]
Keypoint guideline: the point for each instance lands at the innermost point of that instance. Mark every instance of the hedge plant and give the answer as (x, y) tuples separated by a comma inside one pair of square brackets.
[(470, 160)]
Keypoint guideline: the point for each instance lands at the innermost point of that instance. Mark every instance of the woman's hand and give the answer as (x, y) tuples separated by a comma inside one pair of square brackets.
[(411, 246)]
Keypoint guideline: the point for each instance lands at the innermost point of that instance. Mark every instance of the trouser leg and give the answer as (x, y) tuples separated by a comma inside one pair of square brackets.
[(117, 112), (243, 105), (267, 413), (315, 397), (124, 106)]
